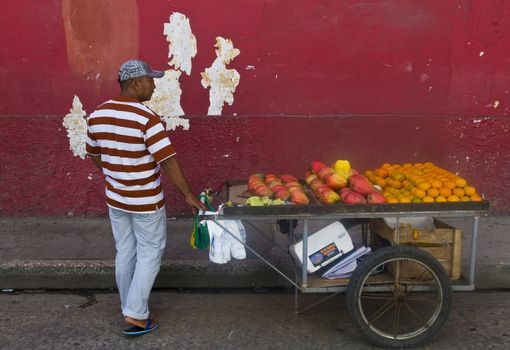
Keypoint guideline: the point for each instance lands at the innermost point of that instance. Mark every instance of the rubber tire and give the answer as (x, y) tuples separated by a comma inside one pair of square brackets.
[(375, 259)]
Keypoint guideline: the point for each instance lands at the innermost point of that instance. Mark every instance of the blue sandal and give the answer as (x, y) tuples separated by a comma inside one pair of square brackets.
[(149, 327)]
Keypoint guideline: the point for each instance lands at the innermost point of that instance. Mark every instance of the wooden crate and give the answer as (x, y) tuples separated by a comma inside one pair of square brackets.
[(438, 239)]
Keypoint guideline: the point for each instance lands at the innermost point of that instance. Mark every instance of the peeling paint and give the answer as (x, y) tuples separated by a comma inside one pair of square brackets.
[(182, 43), (496, 104), (76, 127), (222, 81), (166, 99), (249, 67), (482, 53)]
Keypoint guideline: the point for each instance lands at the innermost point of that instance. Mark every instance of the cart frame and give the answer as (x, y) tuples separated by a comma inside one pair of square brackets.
[(472, 210), (364, 272)]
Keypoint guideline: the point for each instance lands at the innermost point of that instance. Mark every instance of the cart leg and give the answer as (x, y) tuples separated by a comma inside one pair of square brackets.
[(304, 271), (296, 298), (472, 259)]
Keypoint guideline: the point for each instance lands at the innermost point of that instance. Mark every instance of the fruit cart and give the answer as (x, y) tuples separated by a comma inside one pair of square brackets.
[(390, 305)]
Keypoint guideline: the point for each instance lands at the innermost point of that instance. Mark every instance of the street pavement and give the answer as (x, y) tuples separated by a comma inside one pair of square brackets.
[(78, 252), (227, 319)]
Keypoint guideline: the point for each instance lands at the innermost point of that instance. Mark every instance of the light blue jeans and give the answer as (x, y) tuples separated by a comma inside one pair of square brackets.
[(140, 240)]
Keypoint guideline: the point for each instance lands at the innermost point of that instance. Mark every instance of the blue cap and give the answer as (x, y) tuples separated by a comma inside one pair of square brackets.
[(134, 69)]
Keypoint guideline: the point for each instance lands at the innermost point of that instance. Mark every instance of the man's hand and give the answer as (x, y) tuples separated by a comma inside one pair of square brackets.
[(194, 203)]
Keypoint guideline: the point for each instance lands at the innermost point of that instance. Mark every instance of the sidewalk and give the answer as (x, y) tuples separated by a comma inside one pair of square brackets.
[(78, 252)]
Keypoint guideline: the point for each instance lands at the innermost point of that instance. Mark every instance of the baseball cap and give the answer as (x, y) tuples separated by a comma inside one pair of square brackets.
[(136, 68)]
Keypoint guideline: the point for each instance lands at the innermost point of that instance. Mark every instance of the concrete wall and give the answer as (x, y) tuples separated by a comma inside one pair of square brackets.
[(370, 81)]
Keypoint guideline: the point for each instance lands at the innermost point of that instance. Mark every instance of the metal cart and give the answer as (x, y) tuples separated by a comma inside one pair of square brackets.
[(390, 306)]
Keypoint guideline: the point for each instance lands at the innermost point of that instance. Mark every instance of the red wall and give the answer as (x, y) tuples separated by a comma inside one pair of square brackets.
[(370, 81)]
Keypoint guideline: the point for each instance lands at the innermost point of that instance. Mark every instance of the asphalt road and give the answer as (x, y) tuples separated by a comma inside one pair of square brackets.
[(222, 319)]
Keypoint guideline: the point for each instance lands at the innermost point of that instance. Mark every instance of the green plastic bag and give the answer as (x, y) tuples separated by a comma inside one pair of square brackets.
[(200, 234)]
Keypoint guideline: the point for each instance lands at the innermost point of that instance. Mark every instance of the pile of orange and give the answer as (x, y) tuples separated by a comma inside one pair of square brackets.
[(421, 182)]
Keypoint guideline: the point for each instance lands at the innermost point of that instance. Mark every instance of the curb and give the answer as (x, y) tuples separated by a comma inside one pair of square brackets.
[(250, 273), (100, 274)]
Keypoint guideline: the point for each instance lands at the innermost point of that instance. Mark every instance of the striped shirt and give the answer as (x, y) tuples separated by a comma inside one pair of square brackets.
[(131, 141)]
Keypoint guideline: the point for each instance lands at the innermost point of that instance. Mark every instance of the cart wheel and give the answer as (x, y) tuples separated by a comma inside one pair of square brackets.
[(399, 297)]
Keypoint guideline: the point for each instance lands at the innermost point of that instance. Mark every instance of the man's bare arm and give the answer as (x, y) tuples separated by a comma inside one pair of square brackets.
[(97, 161), (172, 169)]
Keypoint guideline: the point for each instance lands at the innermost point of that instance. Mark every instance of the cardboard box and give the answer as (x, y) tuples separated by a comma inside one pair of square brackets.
[(432, 235)]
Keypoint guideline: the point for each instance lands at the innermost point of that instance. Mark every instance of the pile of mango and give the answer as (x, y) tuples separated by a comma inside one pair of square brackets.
[(420, 182)]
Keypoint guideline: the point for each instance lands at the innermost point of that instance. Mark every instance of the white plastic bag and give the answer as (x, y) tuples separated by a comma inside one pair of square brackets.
[(223, 246)]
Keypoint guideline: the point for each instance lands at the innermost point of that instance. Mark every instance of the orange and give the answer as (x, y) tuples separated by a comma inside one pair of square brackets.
[(460, 182), (368, 173), (465, 199), (476, 198), (440, 199), (398, 176), (392, 200), (385, 165), (470, 190), (445, 192), (397, 184), (436, 184), (418, 192), (424, 185), (450, 184), (427, 199), (453, 198), (404, 199), (433, 192), (381, 172), (416, 200), (380, 181), (407, 165), (459, 192), (418, 181)]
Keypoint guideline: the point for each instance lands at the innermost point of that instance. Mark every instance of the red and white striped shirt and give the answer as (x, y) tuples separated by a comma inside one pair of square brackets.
[(131, 141)]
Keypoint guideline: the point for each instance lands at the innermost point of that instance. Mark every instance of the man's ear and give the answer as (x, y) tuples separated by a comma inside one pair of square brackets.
[(135, 84)]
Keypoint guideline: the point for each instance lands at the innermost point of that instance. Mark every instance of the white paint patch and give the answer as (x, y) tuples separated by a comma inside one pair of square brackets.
[(166, 99), (496, 104), (222, 81), (250, 67), (183, 44), (76, 127), (477, 121), (481, 53)]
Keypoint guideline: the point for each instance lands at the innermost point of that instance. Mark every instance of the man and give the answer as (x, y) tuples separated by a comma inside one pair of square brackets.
[(127, 141)]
